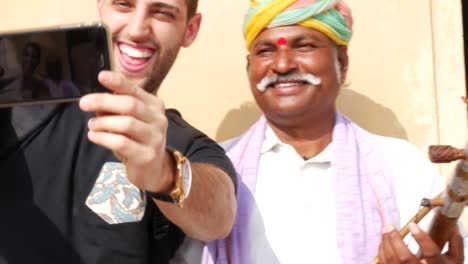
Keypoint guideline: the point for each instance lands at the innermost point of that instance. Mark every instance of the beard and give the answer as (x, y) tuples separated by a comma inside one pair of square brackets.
[(160, 70)]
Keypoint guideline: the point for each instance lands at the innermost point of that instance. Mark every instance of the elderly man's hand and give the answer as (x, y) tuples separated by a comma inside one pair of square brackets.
[(132, 123), (393, 249)]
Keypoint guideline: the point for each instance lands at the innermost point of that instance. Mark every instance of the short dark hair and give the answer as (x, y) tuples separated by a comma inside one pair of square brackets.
[(191, 7)]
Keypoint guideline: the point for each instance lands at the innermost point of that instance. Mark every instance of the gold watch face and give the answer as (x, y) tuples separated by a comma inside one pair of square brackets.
[(186, 176)]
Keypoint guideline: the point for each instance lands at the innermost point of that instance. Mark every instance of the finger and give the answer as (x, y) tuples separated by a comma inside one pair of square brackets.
[(115, 104), (125, 125), (390, 255), (430, 250), (381, 256), (119, 84), (403, 254), (125, 148), (455, 246)]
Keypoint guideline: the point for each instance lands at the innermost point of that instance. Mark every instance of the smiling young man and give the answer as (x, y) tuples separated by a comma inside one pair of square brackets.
[(313, 186), (124, 185)]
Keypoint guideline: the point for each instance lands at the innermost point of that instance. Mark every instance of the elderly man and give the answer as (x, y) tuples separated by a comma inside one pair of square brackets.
[(116, 178), (314, 187)]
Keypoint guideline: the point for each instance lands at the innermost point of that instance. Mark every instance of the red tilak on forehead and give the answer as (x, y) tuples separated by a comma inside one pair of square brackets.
[(282, 41)]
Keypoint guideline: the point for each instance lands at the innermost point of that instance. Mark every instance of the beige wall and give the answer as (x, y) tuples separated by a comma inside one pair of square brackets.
[(406, 67)]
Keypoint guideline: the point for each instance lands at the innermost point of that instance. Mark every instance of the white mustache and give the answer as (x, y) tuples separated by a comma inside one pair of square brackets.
[(268, 80)]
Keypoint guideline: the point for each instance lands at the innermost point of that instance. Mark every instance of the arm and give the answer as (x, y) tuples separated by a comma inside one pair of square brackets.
[(394, 250), (135, 128), (420, 181), (210, 206), (209, 210)]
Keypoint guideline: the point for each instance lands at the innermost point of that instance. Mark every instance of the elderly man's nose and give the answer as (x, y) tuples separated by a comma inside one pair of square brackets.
[(284, 62)]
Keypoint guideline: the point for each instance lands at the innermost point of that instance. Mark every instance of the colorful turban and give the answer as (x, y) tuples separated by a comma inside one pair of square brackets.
[(331, 17)]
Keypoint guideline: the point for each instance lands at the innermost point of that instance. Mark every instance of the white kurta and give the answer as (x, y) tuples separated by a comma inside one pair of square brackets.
[(294, 218)]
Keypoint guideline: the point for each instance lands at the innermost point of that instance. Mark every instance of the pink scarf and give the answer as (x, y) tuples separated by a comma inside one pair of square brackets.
[(364, 200)]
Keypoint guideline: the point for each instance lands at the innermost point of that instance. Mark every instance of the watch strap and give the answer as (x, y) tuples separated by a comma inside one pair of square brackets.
[(162, 197), (167, 197)]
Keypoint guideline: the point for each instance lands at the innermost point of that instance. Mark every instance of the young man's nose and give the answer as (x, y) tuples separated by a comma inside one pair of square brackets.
[(139, 26)]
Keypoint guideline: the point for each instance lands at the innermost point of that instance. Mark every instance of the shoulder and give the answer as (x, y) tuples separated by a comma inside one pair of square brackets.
[(229, 143), (194, 144), (398, 154), (180, 134), (176, 123), (173, 114), (401, 160), (409, 168), (399, 149), (395, 144), (382, 145)]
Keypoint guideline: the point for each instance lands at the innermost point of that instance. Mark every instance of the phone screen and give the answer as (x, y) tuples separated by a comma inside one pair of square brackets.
[(52, 65)]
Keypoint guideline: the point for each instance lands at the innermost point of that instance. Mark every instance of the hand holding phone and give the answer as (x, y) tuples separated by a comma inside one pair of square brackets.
[(58, 64)]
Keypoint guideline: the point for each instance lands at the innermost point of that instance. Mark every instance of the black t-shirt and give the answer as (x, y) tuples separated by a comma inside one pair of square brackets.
[(48, 168)]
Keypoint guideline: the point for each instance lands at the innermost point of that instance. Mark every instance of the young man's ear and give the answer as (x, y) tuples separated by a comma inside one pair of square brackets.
[(193, 27)]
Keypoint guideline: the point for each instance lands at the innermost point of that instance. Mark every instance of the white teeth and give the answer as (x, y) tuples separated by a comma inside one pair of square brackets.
[(135, 53), (282, 85)]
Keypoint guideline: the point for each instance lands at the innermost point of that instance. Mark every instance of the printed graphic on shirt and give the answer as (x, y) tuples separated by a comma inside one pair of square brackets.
[(114, 198)]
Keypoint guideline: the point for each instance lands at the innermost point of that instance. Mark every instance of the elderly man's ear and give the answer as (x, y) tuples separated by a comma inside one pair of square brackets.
[(344, 61)]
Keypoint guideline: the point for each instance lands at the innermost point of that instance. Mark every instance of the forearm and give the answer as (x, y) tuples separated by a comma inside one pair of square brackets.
[(209, 210)]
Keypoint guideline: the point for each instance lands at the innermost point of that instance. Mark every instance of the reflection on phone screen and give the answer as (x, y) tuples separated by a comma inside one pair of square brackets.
[(51, 65)]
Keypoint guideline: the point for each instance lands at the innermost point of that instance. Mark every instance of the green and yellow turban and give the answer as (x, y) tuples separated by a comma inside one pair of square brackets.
[(331, 17)]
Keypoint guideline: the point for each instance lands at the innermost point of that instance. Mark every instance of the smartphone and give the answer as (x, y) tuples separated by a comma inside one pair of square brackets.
[(52, 65)]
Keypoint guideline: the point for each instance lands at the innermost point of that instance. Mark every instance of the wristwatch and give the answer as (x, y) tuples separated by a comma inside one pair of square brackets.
[(182, 181)]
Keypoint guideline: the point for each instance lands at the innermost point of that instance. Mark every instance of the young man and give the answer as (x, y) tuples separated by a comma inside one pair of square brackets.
[(313, 186), (122, 186)]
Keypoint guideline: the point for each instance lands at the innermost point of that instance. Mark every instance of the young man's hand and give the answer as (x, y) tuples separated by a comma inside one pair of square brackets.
[(132, 123)]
